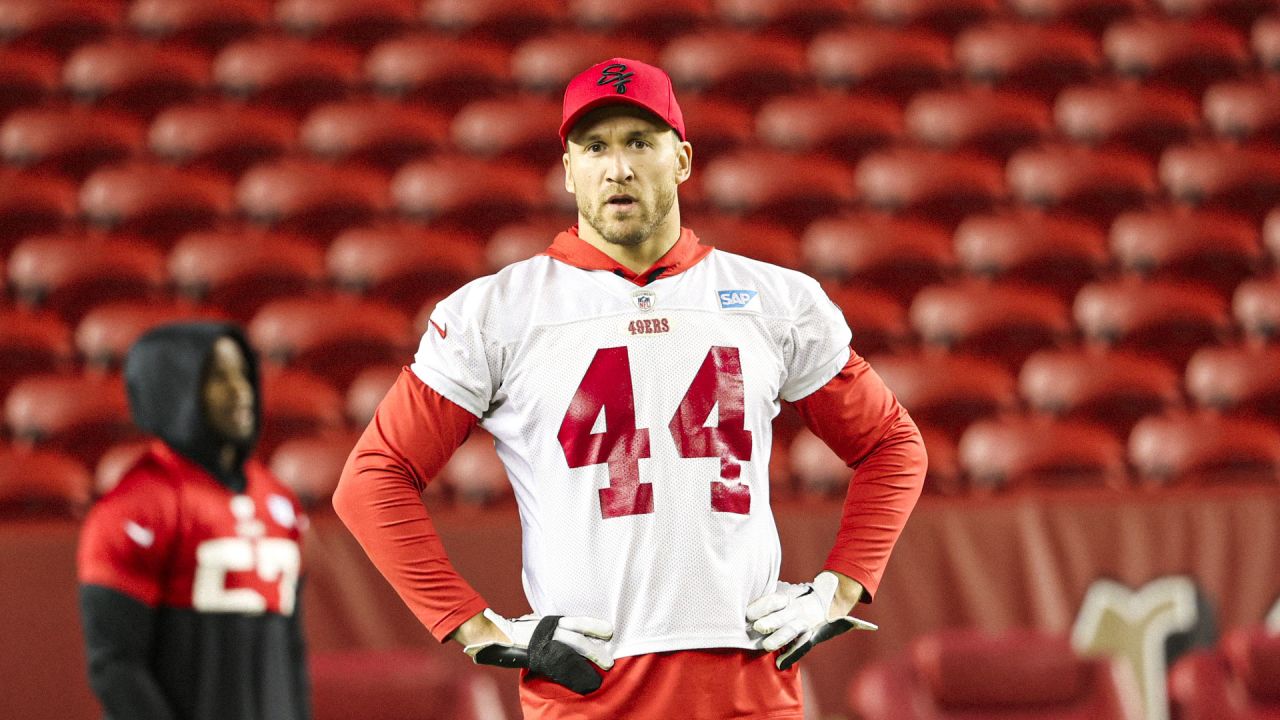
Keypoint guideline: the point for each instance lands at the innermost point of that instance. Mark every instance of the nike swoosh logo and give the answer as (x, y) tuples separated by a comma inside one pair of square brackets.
[(444, 331), (139, 534)]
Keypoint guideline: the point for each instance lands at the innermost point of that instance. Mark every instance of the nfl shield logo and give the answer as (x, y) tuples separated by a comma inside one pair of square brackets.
[(643, 300)]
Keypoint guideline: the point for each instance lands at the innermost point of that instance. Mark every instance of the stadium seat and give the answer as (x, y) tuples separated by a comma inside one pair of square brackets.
[(1236, 13), (842, 127), (386, 134), (31, 343), (57, 25), (114, 463), (1237, 379), (105, 334), (1126, 115), (1205, 448), (505, 21), (878, 322), (1110, 389), (355, 22), (311, 198), (466, 193), (1179, 53), (400, 684), (210, 24), (653, 20), (1207, 247), (522, 240), (474, 475), (938, 186), (518, 129), (311, 465), (40, 483), (815, 469), (1095, 184), (1039, 452), (1256, 308), (879, 60), (155, 201), (70, 141), (767, 241), (1016, 675), (992, 122), (1091, 15), (68, 274), (1166, 320), (1265, 41), (403, 265), (240, 271), (443, 72), (1030, 58), (225, 137), (544, 64), (894, 255), (1239, 179), (287, 73), (135, 75), (781, 187), (947, 392), (1003, 322), (945, 16), (27, 77), (333, 337), (1271, 234), (1244, 110), (31, 204), (1054, 252), (296, 404), (715, 127), (735, 66), (367, 390), (799, 18), (80, 415), (1237, 679)]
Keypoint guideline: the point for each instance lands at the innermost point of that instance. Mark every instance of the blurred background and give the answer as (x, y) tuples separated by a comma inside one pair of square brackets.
[(1053, 226)]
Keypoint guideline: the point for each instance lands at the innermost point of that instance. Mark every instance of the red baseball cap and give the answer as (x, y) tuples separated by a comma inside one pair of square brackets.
[(619, 80)]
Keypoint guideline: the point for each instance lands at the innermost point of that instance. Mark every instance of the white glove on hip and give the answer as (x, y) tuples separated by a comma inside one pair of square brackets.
[(795, 617), (552, 646)]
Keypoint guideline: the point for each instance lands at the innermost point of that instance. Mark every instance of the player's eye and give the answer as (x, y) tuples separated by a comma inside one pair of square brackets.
[(595, 147)]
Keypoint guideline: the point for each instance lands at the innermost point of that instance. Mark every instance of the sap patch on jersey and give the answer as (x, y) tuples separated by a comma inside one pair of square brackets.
[(738, 299)]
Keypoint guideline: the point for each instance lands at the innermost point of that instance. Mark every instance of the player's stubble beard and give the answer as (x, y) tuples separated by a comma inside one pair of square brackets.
[(631, 231)]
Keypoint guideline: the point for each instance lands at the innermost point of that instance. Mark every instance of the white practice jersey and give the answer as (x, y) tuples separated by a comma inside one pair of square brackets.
[(635, 426)]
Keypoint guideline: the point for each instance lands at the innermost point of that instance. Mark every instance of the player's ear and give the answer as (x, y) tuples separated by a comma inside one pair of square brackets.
[(684, 158), (568, 176)]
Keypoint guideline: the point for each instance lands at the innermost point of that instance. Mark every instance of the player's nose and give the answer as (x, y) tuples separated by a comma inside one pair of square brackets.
[(619, 170)]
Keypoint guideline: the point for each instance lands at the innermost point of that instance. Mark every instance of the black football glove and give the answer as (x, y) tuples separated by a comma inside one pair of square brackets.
[(555, 647)]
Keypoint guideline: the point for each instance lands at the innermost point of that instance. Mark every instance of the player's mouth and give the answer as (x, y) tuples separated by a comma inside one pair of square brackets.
[(621, 202)]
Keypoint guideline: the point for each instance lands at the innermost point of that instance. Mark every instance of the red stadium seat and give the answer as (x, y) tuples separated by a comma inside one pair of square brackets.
[(1244, 110), (356, 22), (815, 469), (654, 20), (787, 188), (1091, 15), (36, 483), (1237, 179), (939, 186), (332, 337), (544, 64), (367, 390), (31, 204), (288, 73), (1271, 233), (947, 392), (1002, 322), (402, 684), (465, 193), (1017, 675), (1234, 680), (311, 198), (506, 21), (444, 72), (523, 129), (1040, 453), (78, 415), (134, 75), (995, 123), (106, 332), (801, 18), (225, 137), (878, 322), (114, 463), (881, 60), (1236, 13), (1030, 58), (474, 475), (239, 272), (68, 274), (1240, 379), (1265, 41), (1126, 115), (894, 255), (766, 241), (522, 240), (1165, 320), (27, 77), (843, 127), (735, 66), (403, 265), (71, 141), (946, 16), (1256, 307), (209, 24), (31, 343), (1175, 52), (1092, 183), (715, 127), (1205, 448), (1054, 252), (1212, 248), (311, 465), (387, 134), (156, 201), (296, 404), (57, 25), (1110, 389)]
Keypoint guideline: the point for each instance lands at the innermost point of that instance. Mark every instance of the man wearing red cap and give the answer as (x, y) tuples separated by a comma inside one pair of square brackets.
[(629, 376)]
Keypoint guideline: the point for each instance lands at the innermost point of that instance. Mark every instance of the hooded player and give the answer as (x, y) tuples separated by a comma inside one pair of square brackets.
[(189, 568)]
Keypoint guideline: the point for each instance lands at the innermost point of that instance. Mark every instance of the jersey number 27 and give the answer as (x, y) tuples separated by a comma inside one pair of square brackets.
[(607, 386)]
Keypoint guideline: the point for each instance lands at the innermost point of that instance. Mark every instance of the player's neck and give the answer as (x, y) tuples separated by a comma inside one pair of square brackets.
[(641, 256)]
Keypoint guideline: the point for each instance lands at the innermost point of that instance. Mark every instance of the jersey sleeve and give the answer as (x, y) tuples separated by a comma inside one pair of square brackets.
[(126, 540), (454, 357), (817, 345)]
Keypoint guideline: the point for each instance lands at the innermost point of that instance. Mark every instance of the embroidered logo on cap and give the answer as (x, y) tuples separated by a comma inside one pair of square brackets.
[(617, 76)]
